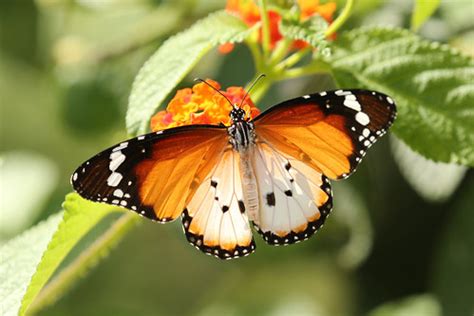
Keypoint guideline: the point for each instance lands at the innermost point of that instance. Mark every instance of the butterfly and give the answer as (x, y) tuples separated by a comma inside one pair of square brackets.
[(271, 172)]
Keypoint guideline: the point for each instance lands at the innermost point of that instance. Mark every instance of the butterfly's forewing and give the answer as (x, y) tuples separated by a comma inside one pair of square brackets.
[(295, 199), (154, 175), (215, 220), (329, 131)]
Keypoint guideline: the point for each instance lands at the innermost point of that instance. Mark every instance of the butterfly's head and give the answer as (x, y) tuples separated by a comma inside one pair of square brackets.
[(237, 114)]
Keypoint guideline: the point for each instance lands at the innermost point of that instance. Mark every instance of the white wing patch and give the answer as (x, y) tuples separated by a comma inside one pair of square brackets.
[(294, 198), (215, 220)]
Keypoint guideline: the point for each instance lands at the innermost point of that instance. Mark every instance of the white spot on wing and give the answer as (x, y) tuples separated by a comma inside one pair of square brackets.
[(306, 96), (362, 118), (389, 99), (141, 137), (121, 146), (116, 159), (74, 176), (114, 179), (118, 193), (353, 104), (323, 93), (342, 92), (366, 132)]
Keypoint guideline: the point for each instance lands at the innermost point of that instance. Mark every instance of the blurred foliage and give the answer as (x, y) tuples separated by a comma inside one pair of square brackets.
[(398, 243)]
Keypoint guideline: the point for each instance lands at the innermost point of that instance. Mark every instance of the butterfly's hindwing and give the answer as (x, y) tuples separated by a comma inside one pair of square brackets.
[(331, 131), (152, 174), (294, 198), (215, 220)]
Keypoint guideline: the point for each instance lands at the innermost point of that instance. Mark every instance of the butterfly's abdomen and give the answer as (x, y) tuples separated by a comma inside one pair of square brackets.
[(249, 182)]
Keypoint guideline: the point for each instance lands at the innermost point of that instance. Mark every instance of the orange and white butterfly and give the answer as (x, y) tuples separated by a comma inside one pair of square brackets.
[(271, 171)]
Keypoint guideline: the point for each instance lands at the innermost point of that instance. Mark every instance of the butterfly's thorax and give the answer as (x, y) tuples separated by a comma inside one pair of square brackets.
[(242, 138)]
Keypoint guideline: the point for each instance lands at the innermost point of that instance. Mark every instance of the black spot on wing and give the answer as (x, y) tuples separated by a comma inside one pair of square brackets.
[(312, 227), (241, 206), (271, 199)]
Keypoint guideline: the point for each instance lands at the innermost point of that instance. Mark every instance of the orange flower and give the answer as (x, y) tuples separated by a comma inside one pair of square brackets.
[(311, 7), (202, 105), (249, 12)]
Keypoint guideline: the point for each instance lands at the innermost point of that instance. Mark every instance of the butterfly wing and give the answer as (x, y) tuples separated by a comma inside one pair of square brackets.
[(215, 220), (295, 199), (329, 131), (154, 175)]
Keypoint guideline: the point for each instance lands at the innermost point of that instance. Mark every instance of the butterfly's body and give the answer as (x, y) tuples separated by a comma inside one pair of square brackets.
[(271, 171), (242, 138)]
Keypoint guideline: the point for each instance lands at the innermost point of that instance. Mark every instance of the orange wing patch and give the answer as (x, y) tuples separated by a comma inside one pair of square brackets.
[(330, 131), (155, 174), (177, 166)]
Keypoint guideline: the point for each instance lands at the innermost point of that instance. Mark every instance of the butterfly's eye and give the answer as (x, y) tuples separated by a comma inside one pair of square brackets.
[(237, 114)]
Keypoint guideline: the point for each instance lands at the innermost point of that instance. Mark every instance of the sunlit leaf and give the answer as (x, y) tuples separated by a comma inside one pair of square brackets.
[(37, 177), (422, 11), (80, 216), (20, 256), (431, 83), (173, 60), (434, 181), (422, 305)]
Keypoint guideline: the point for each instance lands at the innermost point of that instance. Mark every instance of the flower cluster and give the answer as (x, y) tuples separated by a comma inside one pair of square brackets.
[(248, 11), (202, 105)]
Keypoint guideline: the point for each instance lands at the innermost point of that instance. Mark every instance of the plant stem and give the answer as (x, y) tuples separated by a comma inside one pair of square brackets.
[(57, 286), (260, 89), (341, 19), (280, 50), (265, 28), (317, 66), (293, 59), (257, 56)]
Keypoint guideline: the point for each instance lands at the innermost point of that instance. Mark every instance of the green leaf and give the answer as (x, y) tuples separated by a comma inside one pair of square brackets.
[(37, 176), (80, 216), (422, 11), (20, 256), (173, 60), (432, 85), (312, 30), (433, 181), (420, 305)]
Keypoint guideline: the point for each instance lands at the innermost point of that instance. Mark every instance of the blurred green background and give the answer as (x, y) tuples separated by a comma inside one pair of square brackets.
[(400, 240)]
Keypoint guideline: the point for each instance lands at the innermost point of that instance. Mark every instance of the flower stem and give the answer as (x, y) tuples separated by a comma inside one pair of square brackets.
[(341, 19), (317, 66), (280, 50), (265, 27), (261, 88), (257, 56), (293, 59)]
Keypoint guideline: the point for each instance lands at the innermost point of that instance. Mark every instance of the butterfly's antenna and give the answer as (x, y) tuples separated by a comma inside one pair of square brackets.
[(250, 88), (217, 90)]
